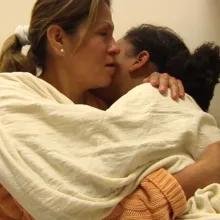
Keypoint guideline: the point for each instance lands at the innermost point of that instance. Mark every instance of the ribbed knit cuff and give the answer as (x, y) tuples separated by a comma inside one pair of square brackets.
[(171, 190)]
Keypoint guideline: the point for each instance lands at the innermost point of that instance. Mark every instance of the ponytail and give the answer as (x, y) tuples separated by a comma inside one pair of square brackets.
[(201, 73), (12, 59)]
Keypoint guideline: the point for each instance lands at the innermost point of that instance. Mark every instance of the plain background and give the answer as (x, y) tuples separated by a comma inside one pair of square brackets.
[(196, 21)]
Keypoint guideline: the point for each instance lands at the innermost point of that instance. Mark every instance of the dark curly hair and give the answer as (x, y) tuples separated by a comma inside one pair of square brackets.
[(199, 71)]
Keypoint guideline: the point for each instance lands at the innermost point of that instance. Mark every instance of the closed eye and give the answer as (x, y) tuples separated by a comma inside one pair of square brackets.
[(104, 34)]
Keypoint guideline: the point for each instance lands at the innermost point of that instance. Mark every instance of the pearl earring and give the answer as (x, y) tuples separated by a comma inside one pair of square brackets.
[(62, 50)]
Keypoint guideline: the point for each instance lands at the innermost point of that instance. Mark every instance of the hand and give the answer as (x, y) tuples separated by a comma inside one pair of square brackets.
[(165, 81), (202, 173)]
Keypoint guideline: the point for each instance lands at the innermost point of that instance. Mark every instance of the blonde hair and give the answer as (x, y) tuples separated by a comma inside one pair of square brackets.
[(68, 14)]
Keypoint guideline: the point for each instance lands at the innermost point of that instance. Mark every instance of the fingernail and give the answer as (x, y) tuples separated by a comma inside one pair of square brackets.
[(174, 95), (162, 88)]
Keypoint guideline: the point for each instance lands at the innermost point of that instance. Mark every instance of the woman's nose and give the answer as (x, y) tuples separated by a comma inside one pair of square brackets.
[(114, 48)]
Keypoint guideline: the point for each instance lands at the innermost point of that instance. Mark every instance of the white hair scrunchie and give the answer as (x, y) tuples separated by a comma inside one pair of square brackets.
[(22, 33)]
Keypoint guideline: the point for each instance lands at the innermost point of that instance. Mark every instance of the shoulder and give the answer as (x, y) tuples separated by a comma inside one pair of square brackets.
[(145, 95), (23, 85)]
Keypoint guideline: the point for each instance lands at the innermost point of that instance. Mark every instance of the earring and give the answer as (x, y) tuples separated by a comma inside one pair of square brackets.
[(62, 50)]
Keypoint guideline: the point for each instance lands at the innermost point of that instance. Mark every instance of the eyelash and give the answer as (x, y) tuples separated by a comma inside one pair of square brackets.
[(104, 34)]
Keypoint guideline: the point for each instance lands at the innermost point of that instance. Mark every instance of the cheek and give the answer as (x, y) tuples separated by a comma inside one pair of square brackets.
[(118, 79), (97, 44), (124, 69), (91, 56), (123, 79)]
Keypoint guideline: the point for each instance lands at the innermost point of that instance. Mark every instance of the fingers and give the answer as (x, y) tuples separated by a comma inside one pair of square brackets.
[(173, 85), (165, 81), (153, 79), (146, 80), (181, 89), (158, 80)]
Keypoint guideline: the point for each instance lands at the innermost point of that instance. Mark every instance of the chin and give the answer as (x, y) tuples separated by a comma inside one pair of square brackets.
[(105, 83)]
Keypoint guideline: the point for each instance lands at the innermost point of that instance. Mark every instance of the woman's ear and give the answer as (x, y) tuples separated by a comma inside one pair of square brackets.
[(55, 36), (142, 58)]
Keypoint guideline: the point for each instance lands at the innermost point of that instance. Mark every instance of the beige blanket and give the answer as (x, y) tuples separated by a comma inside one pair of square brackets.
[(67, 161)]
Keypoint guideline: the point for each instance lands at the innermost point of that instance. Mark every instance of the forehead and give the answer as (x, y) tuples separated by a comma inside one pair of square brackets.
[(104, 16)]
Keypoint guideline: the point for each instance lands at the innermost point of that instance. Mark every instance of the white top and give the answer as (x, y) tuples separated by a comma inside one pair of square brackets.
[(67, 161)]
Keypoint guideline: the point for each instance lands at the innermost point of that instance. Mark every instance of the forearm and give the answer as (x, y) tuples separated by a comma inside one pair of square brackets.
[(193, 177)]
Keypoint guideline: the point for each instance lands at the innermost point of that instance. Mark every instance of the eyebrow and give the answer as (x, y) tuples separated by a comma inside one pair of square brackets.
[(110, 25)]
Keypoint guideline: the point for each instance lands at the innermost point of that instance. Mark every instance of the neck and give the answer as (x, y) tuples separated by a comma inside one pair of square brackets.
[(65, 86), (143, 73), (139, 76)]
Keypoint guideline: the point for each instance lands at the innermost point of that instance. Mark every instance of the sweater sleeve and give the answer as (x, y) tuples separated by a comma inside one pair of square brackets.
[(159, 196), (10, 209)]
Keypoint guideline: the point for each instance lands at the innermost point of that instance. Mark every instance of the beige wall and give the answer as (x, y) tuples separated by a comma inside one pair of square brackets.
[(215, 105), (13, 13), (195, 20)]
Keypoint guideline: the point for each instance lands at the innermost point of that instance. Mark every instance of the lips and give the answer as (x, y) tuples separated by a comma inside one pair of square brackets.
[(111, 65), (111, 68)]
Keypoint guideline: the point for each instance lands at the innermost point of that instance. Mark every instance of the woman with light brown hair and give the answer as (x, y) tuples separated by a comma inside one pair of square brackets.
[(71, 42)]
